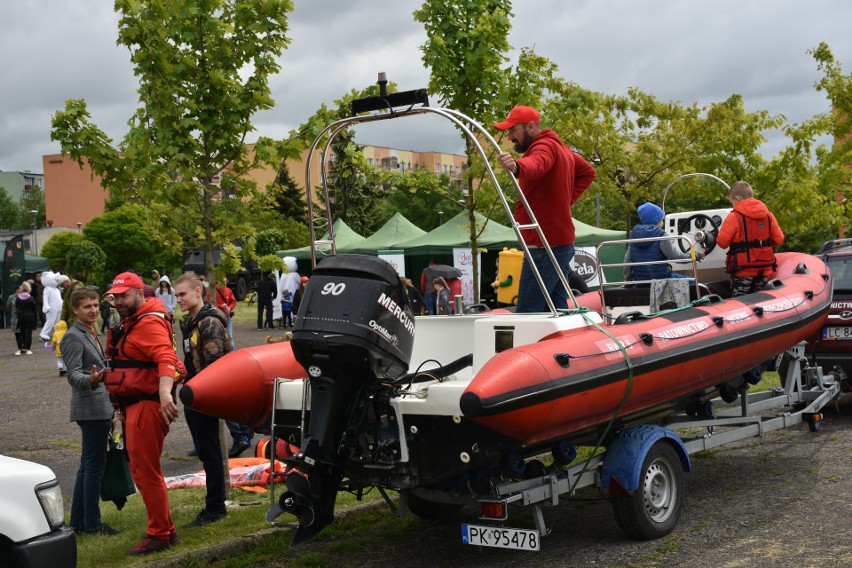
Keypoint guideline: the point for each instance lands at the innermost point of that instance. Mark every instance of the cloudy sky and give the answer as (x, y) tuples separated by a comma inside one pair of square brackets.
[(684, 50)]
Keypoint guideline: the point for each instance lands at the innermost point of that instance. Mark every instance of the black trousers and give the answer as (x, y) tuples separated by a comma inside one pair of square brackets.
[(205, 435)]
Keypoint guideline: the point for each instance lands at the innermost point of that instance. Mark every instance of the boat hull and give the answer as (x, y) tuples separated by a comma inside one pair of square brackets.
[(570, 384), (576, 380), (239, 386)]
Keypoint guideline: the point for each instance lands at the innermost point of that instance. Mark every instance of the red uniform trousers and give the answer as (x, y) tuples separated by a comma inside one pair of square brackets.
[(145, 433)]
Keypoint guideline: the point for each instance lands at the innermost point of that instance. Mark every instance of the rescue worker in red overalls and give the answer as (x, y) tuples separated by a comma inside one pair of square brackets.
[(749, 233), (143, 370)]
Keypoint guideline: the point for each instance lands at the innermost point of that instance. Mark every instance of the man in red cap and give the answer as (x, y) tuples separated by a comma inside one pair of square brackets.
[(552, 177), (142, 371)]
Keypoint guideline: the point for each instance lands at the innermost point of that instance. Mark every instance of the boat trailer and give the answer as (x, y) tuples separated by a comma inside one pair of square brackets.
[(641, 469)]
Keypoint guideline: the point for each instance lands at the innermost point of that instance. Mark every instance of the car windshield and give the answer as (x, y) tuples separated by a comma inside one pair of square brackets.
[(841, 271)]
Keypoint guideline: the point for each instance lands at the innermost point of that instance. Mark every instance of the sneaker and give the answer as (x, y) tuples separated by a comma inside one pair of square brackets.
[(205, 518), (104, 529), (238, 448), (61, 373), (29, 352), (149, 545), (193, 453), (19, 352)]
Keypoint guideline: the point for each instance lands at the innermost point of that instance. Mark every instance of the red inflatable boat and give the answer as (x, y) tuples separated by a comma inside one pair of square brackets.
[(448, 404)]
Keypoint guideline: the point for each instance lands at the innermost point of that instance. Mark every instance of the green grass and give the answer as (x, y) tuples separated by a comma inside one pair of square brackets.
[(246, 512)]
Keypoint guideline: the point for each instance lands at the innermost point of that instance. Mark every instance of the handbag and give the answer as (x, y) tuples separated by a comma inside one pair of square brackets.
[(117, 483)]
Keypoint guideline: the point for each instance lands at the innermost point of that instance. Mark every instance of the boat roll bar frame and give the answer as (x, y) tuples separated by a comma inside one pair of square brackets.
[(684, 176), (470, 128)]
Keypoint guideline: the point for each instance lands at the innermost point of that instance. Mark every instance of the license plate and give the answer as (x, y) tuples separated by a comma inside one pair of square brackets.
[(498, 537), (837, 333)]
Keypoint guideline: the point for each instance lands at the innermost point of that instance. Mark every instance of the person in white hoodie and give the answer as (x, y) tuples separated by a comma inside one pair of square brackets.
[(52, 304), (288, 283), (166, 294)]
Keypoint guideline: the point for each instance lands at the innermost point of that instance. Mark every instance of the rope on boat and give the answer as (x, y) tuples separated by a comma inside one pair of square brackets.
[(623, 349)]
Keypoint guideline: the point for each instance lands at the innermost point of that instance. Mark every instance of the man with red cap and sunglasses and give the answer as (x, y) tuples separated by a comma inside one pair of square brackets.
[(142, 371), (552, 177)]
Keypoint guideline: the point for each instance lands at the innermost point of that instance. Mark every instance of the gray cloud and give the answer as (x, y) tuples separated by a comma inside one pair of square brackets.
[(690, 51)]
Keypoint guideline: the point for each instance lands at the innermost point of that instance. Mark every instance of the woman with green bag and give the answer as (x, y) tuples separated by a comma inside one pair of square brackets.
[(90, 409)]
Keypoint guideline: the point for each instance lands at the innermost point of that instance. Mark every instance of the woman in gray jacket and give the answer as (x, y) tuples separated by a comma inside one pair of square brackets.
[(90, 409)]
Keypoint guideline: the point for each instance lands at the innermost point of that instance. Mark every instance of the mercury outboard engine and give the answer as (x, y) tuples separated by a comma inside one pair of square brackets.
[(354, 333)]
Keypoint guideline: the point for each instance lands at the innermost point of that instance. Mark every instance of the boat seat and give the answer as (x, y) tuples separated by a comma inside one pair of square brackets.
[(635, 296)]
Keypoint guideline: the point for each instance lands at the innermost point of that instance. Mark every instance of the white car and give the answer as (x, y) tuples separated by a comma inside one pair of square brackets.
[(32, 519)]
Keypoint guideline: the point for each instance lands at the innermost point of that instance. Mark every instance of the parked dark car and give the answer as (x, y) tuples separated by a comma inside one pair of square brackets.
[(834, 346)]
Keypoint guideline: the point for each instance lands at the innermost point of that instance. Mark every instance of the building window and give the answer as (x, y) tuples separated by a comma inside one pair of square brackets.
[(437, 168), (369, 161)]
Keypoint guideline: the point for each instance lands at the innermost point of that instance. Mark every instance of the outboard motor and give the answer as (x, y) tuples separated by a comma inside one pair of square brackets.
[(354, 332)]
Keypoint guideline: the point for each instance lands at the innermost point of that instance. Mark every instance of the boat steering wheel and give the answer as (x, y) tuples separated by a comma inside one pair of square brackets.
[(701, 229)]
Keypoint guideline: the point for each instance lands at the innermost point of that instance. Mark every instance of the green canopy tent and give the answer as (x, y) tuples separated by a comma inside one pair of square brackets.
[(439, 243), (398, 229), (344, 239), (590, 236), (455, 233), (35, 264)]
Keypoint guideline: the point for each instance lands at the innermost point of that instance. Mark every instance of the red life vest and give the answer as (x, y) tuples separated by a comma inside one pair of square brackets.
[(755, 250), (127, 380)]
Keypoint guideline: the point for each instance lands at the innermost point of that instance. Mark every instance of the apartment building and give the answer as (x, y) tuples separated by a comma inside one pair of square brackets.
[(17, 184), (73, 196)]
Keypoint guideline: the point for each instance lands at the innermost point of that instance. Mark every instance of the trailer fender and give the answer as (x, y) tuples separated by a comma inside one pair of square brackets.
[(623, 460)]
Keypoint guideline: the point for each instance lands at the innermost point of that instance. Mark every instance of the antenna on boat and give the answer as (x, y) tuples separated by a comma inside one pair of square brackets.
[(389, 101), (383, 84)]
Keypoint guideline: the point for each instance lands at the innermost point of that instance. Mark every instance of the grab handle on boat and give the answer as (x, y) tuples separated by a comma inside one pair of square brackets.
[(629, 317)]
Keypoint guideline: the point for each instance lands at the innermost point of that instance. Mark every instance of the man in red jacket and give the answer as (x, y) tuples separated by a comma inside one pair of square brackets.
[(226, 302), (552, 178), (750, 231), (142, 371)]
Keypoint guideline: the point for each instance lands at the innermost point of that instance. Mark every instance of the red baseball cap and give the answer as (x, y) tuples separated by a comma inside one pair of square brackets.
[(519, 115), (124, 282)]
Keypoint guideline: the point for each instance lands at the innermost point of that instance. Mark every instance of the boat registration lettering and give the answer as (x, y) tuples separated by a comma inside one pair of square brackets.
[(684, 330), (498, 537), (783, 305), (608, 347), (738, 316)]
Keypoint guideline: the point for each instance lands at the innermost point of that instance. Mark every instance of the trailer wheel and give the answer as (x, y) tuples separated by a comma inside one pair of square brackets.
[(654, 508), (431, 510)]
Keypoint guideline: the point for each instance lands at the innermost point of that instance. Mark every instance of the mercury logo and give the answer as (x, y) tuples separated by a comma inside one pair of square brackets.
[(397, 311)]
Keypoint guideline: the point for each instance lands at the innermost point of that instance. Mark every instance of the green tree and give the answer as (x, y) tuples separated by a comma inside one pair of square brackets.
[(203, 69), (125, 238), (289, 197), (268, 241), (420, 196), (86, 261), (10, 214), (353, 186), (57, 246), (270, 262), (465, 53)]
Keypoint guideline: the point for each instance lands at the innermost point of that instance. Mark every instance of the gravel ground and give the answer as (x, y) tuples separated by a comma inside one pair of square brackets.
[(35, 412), (778, 500)]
